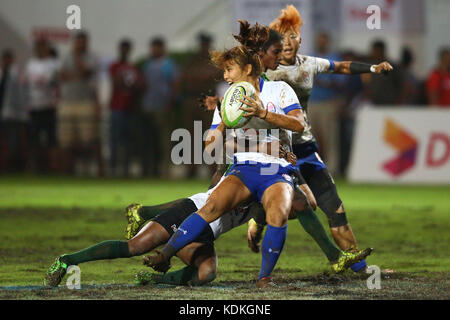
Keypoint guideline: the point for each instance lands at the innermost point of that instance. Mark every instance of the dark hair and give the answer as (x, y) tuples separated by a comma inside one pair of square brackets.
[(252, 40), (407, 57), (379, 44), (274, 37), (204, 37), (125, 43), (158, 41), (7, 53), (82, 34), (443, 51)]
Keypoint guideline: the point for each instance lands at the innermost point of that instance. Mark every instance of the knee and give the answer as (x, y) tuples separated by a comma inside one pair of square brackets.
[(277, 215), (207, 272), (211, 210)]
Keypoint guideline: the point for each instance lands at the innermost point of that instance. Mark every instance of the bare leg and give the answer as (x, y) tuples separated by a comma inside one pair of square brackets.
[(203, 257), (343, 235), (150, 237)]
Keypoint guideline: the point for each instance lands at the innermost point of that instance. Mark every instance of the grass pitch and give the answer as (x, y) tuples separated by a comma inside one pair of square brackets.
[(41, 218)]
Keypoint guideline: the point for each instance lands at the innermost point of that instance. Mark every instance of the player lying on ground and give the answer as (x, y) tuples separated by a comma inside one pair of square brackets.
[(245, 181), (270, 55), (199, 256), (299, 71)]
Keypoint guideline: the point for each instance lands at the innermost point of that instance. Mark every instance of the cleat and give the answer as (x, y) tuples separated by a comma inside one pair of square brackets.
[(135, 221), (157, 262), (265, 283), (254, 235), (346, 259), (145, 277), (55, 273)]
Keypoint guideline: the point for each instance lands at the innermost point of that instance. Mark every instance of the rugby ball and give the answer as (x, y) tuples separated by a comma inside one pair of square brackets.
[(232, 116)]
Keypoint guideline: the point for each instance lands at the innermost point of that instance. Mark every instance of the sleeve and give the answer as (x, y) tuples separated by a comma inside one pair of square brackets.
[(289, 99), (432, 84), (112, 69), (323, 65), (216, 119)]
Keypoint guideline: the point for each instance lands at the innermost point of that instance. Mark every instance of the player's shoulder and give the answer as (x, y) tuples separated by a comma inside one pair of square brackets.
[(273, 84)]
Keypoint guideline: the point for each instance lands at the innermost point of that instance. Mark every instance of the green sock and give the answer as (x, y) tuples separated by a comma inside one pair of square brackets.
[(312, 225), (149, 212), (179, 277), (110, 249)]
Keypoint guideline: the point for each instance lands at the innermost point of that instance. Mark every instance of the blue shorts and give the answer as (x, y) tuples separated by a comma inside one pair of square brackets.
[(255, 179), (308, 157)]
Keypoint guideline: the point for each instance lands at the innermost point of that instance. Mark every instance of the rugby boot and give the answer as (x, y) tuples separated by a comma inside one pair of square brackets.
[(55, 273), (346, 259), (135, 221)]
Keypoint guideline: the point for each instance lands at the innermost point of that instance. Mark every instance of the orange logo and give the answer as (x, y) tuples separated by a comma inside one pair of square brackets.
[(404, 143)]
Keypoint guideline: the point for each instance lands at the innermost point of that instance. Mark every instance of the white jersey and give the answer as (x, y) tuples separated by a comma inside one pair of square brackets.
[(277, 97), (40, 76), (301, 77), (226, 222)]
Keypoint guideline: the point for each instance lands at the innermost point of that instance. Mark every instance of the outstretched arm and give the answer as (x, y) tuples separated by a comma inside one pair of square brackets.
[(354, 67)]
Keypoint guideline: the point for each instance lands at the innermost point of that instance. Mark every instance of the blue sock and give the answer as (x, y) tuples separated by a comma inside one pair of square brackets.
[(358, 266), (271, 249), (188, 230)]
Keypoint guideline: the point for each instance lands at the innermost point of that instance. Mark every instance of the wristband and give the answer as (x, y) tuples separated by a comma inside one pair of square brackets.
[(372, 68), (267, 111), (360, 67)]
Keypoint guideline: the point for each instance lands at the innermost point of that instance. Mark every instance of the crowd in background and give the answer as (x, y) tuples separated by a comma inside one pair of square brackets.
[(50, 114)]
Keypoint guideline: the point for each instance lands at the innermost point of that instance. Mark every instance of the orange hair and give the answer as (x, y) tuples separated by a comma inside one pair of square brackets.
[(288, 19)]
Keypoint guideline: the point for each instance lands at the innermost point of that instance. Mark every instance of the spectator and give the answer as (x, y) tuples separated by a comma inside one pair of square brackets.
[(352, 89), (411, 85), (40, 77), (161, 78), (79, 111), (199, 77), (323, 102), (438, 83), (387, 89), (125, 83), (14, 117)]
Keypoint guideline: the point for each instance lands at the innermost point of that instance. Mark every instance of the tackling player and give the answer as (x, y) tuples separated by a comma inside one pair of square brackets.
[(299, 71), (245, 180)]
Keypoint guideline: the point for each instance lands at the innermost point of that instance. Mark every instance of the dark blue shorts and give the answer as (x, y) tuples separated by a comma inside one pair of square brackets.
[(255, 179), (308, 158)]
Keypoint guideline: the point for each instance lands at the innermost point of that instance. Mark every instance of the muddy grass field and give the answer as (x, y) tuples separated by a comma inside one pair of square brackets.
[(43, 218)]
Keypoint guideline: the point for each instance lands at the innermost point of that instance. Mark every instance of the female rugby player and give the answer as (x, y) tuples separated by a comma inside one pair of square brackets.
[(299, 71), (199, 255), (246, 179)]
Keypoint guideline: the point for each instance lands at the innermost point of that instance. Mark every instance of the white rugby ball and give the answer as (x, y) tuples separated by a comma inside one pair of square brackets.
[(232, 116)]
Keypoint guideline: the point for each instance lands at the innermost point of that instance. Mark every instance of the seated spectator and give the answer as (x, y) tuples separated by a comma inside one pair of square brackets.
[(438, 83), (40, 79)]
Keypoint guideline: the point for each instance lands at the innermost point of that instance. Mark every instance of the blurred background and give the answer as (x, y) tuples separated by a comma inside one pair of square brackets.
[(103, 100)]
